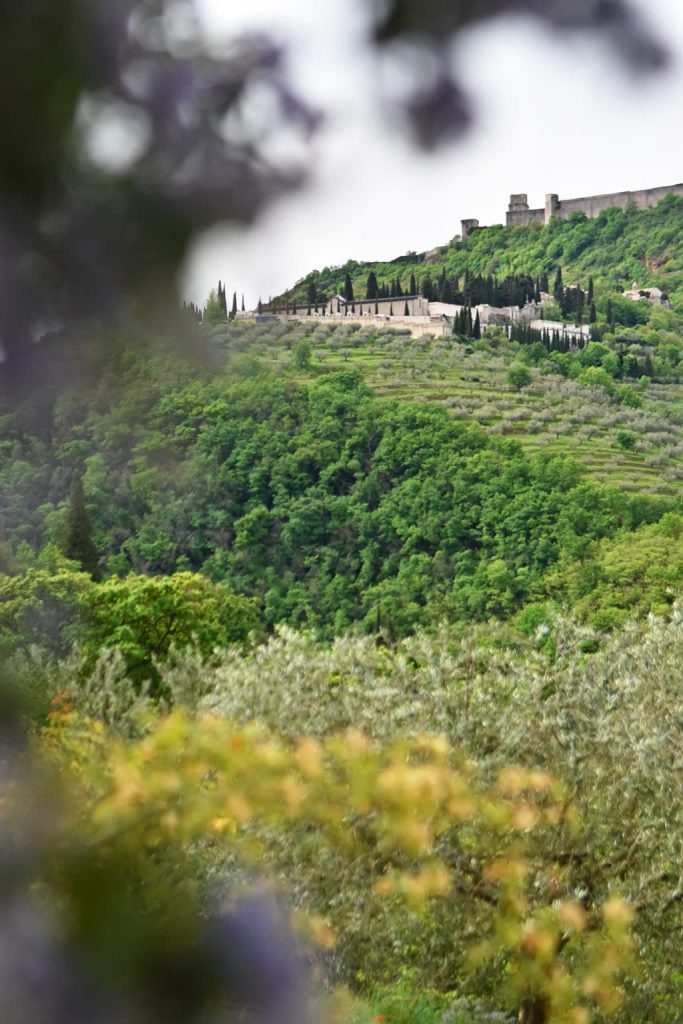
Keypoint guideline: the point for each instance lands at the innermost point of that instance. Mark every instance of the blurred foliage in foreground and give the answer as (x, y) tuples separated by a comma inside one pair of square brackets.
[(414, 842)]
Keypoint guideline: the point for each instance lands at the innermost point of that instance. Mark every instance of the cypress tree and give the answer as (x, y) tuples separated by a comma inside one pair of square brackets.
[(233, 312), (243, 309), (558, 288), (580, 300), (591, 290), (406, 310), (376, 308), (413, 284), (476, 331), (77, 541), (610, 313), (222, 298), (593, 319), (348, 288), (391, 309), (372, 287), (259, 306)]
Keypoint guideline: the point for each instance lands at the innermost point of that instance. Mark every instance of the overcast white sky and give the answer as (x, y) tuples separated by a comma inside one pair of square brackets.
[(372, 197)]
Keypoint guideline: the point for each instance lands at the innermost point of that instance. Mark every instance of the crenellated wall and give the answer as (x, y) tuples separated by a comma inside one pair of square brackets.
[(519, 212)]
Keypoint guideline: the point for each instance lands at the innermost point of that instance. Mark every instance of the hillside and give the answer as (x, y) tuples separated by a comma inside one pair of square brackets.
[(347, 478), (615, 249), (224, 544)]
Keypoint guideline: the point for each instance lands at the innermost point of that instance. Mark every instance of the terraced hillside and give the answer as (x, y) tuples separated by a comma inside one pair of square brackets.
[(636, 448)]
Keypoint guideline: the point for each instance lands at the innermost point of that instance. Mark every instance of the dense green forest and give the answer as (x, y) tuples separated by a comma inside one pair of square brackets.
[(296, 598), (332, 507)]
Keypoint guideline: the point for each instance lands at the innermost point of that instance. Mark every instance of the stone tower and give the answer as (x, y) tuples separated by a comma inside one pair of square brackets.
[(467, 227), (552, 206)]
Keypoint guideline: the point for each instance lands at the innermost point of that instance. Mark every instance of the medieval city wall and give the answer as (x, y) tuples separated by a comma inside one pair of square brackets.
[(592, 206), (520, 218), (519, 213)]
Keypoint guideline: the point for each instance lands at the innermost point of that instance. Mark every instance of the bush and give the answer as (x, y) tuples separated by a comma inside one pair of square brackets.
[(519, 377), (626, 440)]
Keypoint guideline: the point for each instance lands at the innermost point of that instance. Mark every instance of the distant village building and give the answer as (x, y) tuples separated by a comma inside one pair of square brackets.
[(425, 317), (338, 306), (654, 295)]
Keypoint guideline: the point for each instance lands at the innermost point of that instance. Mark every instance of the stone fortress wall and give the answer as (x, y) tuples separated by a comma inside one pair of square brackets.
[(520, 213)]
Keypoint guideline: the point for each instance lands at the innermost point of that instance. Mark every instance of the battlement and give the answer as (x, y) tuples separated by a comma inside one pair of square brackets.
[(519, 212)]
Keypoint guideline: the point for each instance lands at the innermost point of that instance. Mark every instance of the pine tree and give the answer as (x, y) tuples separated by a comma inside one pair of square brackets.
[(77, 541), (348, 288)]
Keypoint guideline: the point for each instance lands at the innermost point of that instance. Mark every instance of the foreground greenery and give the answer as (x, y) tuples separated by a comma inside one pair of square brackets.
[(556, 772)]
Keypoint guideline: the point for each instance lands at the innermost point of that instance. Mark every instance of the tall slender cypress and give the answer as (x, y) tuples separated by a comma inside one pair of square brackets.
[(558, 288), (77, 540)]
